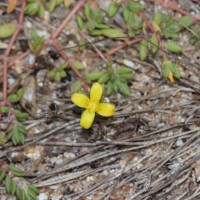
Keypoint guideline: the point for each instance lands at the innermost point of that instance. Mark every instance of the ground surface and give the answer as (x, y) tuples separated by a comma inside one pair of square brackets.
[(148, 150)]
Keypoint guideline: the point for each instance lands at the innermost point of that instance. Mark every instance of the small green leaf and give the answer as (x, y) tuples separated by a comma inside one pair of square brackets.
[(104, 78), (115, 84), (87, 11), (57, 78), (127, 77), (173, 47), (175, 71), (112, 9), (124, 89), (186, 21), (2, 173), (13, 187), (95, 32), (41, 11), (52, 4), (166, 69), (102, 26), (16, 171), (79, 65), (125, 13), (158, 17), (20, 93), (21, 116), (13, 98), (32, 191), (77, 86), (143, 49), (7, 30), (93, 76), (8, 184), (21, 194), (135, 6), (63, 74), (123, 70), (91, 26), (31, 8), (113, 33), (2, 139), (80, 22), (154, 44), (109, 88), (16, 133), (4, 109)]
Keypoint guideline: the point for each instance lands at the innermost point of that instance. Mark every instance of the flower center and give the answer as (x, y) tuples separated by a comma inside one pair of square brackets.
[(92, 106)]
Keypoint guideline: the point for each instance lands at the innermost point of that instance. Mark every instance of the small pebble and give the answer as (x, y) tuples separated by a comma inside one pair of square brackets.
[(42, 196)]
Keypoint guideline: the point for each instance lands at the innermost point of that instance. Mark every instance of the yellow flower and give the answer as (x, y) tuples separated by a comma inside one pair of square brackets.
[(92, 105)]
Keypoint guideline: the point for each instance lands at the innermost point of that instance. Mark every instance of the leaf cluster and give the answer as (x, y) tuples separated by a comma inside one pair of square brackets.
[(38, 7), (16, 133), (131, 17), (20, 116), (58, 73), (168, 27), (170, 69), (115, 78), (93, 22), (36, 43), (14, 98), (16, 185), (16, 130)]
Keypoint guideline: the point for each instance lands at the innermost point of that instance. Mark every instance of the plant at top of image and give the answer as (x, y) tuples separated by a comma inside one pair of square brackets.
[(115, 79), (36, 43), (38, 7), (58, 73), (15, 184), (166, 30), (92, 105), (93, 22)]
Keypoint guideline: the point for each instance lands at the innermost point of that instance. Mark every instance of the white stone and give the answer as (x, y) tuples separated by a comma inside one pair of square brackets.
[(42, 196)]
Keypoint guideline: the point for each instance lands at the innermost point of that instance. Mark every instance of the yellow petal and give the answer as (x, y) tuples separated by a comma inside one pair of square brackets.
[(87, 119), (106, 109), (80, 100), (96, 92)]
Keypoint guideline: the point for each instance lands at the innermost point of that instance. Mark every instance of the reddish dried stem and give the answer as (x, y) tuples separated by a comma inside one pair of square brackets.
[(65, 57), (175, 8), (67, 19), (7, 52), (134, 41), (52, 39), (150, 27)]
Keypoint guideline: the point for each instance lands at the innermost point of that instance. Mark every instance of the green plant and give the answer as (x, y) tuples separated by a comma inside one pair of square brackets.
[(58, 73), (38, 7), (116, 79), (15, 130), (15, 184), (36, 43)]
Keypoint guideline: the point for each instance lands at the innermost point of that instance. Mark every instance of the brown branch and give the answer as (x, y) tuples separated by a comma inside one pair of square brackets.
[(71, 14), (65, 57), (7, 52)]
